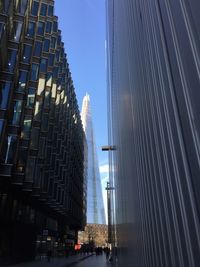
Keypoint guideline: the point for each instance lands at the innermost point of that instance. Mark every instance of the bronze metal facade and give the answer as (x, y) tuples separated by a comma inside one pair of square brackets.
[(41, 135)]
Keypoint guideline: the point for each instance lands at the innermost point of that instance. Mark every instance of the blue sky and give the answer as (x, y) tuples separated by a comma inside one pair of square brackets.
[(82, 23)]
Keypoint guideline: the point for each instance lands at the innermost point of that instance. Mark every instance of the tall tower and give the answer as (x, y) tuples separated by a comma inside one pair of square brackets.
[(95, 206)]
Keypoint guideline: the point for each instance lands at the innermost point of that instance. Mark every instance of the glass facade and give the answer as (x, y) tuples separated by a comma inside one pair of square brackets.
[(154, 123), (95, 205)]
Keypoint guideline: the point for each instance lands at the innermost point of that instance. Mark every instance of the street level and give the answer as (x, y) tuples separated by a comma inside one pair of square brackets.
[(95, 261), (55, 262)]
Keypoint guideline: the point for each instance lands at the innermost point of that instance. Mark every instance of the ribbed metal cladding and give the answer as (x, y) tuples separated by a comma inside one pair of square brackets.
[(154, 108)]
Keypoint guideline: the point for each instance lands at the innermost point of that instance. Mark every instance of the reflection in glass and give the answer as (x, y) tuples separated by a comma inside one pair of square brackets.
[(30, 98), (20, 6), (34, 72), (43, 10), (16, 31), (17, 112), (31, 29), (4, 94), (11, 148), (22, 81), (26, 126), (40, 29), (48, 27), (27, 53), (46, 45), (50, 11), (34, 9), (2, 28), (37, 49), (43, 65)]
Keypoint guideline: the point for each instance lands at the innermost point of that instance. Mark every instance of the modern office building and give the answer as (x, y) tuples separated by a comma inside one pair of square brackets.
[(154, 115), (41, 135), (95, 205)]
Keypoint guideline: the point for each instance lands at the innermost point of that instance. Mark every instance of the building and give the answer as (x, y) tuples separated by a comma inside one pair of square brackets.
[(95, 205), (41, 135), (154, 80)]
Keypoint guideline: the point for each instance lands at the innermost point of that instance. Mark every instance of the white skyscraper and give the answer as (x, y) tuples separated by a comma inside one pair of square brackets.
[(95, 206)]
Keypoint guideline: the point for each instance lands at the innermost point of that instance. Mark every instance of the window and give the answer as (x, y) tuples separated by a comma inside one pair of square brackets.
[(46, 45), (17, 110), (26, 126), (43, 10), (38, 110), (43, 65), (34, 9), (55, 26), (58, 55), (34, 137), (34, 72), (51, 60), (2, 28), (22, 81), (37, 49), (50, 11), (27, 53), (5, 88), (4, 4), (1, 126), (22, 158), (48, 26), (20, 6), (11, 148), (49, 79), (53, 42), (30, 97), (11, 60), (47, 99), (40, 29), (59, 40), (16, 31), (31, 29)]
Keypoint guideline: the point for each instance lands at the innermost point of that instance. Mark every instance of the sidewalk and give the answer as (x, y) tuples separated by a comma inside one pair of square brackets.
[(55, 262)]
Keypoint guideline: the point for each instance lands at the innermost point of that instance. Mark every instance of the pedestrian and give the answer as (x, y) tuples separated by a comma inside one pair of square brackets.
[(107, 253)]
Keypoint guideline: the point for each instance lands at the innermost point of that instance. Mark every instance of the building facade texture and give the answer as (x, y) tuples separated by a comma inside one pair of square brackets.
[(154, 113), (95, 205), (41, 134)]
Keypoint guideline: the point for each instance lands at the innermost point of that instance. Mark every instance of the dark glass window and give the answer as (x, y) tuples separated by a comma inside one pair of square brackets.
[(26, 126), (34, 9), (34, 72), (1, 126), (47, 99), (50, 10), (43, 65), (59, 40), (43, 10), (4, 4), (20, 6), (46, 45), (55, 72), (27, 53), (37, 49), (30, 97), (51, 60), (31, 29), (2, 27), (12, 54), (55, 26), (11, 148), (57, 55), (16, 31), (22, 81), (21, 159), (35, 137), (5, 88), (40, 29), (53, 42), (48, 26), (17, 111)]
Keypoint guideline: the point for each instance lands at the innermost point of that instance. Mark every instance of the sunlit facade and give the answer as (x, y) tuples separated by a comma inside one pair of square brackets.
[(154, 117), (41, 135), (95, 205)]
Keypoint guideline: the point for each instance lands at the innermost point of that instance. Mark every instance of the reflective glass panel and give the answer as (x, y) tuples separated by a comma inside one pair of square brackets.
[(21, 6), (11, 148), (27, 53), (50, 11), (43, 10), (34, 72), (43, 65), (30, 97), (5, 88), (51, 60), (46, 45), (31, 29), (22, 81), (48, 26), (26, 126), (40, 29), (2, 27), (55, 26), (34, 9), (16, 31), (37, 49), (53, 42), (12, 54), (17, 110)]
